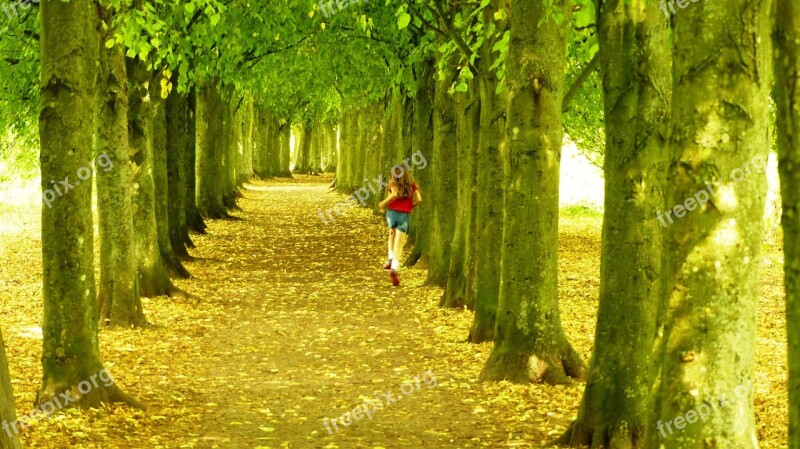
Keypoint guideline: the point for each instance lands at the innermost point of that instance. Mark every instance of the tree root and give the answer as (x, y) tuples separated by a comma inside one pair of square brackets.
[(174, 265), (481, 334), (615, 435), (97, 395), (195, 222), (413, 258), (557, 366)]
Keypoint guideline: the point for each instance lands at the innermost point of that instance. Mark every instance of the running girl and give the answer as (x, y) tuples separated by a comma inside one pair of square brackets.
[(403, 196)]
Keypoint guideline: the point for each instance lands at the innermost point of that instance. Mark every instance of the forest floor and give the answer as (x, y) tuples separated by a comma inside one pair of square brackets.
[(298, 322)]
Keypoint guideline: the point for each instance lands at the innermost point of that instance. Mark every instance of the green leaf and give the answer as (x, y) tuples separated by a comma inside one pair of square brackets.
[(403, 20), (462, 87), (110, 43)]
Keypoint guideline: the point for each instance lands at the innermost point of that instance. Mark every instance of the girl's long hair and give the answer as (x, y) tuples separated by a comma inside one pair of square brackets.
[(404, 183)]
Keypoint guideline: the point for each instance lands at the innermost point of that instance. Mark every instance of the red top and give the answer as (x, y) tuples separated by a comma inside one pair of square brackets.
[(404, 204)]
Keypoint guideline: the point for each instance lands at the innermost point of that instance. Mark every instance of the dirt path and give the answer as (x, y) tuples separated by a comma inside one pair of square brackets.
[(314, 326), (298, 323)]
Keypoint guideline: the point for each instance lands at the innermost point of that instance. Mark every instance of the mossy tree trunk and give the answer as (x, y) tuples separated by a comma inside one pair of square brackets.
[(8, 412), (284, 136), (237, 130), (443, 182), (69, 57), (118, 289), (389, 142), (343, 156), (258, 143), (787, 99), (316, 148), (635, 59), (210, 152), (277, 148), (370, 154), (489, 185), (178, 145), (230, 150), (247, 141), (194, 221), (245, 171), (153, 279), (712, 251), (303, 163), (296, 133), (159, 143), (356, 168), (349, 135), (467, 114), (375, 155), (263, 144), (530, 343), (330, 154), (422, 143)]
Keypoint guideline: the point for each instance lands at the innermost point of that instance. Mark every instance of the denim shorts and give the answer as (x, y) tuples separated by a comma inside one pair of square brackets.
[(398, 220)]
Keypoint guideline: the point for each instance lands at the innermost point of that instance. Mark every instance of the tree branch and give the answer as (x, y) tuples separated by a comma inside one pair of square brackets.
[(438, 31), (456, 38), (576, 85)]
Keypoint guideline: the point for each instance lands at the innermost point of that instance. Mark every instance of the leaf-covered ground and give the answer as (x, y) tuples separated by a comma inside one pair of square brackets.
[(297, 322)]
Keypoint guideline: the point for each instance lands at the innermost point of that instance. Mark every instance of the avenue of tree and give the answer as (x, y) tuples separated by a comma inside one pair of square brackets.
[(192, 99)]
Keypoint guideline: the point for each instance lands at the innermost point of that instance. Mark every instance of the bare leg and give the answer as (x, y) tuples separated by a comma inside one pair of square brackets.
[(391, 243), (399, 244)]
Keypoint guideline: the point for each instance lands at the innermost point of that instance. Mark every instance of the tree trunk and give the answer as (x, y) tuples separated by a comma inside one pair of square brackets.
[(787, 100), (489, 186), (118, 294), (331, 153), (9, 439), (303, 163), (161, 183), (258, 143), (245, 171), (70, 353), (370, 155), (718, 146), (467, 113), (637, 80), (264, 147), (489, 205), (230, 151), (194, 221), (177, 149), (530, 344), (422, 140), (276, 147), (285, 143), (368, 160), (315, 164), (153, 280), (344, 150), (210, 153), (388, 142), (443, 183), (343, 177)]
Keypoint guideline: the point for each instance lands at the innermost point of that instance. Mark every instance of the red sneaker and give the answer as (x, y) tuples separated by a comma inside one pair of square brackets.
[(395, 278), (388, 265)]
